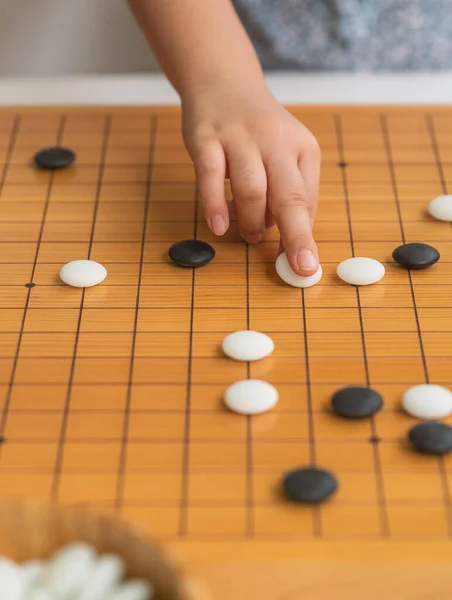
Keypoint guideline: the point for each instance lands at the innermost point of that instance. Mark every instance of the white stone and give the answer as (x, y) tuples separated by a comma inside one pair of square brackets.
[(83, 273), (32, 571), (11, 585), (68, 570), (288, 275), (104, 578), (251, 397), (440, 208), (39, 594), (134, 589), (360, 270), (247, 345), (427, 401)]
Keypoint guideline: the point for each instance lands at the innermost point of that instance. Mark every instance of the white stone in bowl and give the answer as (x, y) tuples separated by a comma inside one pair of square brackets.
[(247, 345), (427, 401), (288, 275), (251, 397), (83, 273), (440, 208), (360, 270)]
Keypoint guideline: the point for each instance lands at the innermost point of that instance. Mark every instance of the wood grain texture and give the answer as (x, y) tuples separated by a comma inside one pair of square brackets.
[(111, 397)]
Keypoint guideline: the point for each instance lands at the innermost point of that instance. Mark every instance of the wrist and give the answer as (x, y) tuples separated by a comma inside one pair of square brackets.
[(234, 85)]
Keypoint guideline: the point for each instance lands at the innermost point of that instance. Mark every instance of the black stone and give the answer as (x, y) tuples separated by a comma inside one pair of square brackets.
[(431, 437), (54, 158), (356, 402), (309, 485), (416, 255), (191, 253)]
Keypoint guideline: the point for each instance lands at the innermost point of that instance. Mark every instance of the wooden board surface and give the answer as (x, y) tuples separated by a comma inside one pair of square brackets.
[(111, 397)]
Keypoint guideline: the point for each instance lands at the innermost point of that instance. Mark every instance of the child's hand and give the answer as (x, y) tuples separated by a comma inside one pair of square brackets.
[(273, 163)]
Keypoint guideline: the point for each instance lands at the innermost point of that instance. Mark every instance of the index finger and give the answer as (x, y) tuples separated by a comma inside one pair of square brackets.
[(289, 205)]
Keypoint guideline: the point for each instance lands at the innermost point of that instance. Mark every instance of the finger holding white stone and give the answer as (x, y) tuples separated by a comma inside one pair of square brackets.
[(288, 275), (83, 273)]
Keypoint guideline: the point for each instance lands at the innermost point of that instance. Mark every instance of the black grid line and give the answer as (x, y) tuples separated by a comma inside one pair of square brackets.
[(249, 507), (185, 479), (237, 440), (387, 143), (378, 470), (316, 512), (9, 152), (4, 417), (435, 148), (66, 410), (441, 463), (127, 409)]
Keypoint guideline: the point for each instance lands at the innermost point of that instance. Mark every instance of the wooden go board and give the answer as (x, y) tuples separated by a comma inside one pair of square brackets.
[(111, 397)]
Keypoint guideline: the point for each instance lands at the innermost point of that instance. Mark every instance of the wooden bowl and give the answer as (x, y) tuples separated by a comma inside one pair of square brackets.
[(29, 530)]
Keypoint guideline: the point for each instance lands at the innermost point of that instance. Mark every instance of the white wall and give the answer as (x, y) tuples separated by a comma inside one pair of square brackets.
[(55, 37)]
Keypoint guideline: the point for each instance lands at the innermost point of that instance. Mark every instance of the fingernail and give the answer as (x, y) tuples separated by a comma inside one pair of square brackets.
[(306, 260), (218, 224), (255, 238)]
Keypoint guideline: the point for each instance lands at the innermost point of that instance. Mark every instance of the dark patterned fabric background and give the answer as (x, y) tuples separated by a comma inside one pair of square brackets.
[(364, 35)]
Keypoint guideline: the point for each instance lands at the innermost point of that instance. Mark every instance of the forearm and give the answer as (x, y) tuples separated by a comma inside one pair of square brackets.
[(199, 43)]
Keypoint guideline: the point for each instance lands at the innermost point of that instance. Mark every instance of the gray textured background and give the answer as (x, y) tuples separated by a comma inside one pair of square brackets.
[(57, 37)]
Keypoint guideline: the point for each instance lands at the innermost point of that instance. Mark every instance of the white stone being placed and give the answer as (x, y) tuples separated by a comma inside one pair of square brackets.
[(360, 270), (83, 273), (247, 345), (251, 397), (440, 208), (288, 275), (427, 401)]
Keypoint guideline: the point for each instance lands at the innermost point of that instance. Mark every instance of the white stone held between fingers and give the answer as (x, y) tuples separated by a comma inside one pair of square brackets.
[(251, 397), (440, 208), (247, 345), (427, 401), (83, 273), (134, 589), (288, 275), (360, 270)]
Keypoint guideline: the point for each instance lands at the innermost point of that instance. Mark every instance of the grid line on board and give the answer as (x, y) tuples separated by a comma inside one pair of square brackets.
[(249, 460), (4, 417), (441, 461), (378, 471), (66, 409), (435, 148), (184, 506), (389, 154), (316, 512), (122, 463), (9, 152), (387, 143)]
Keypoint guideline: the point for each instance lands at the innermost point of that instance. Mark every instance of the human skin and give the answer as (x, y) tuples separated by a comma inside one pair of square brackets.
[(233, 126)]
